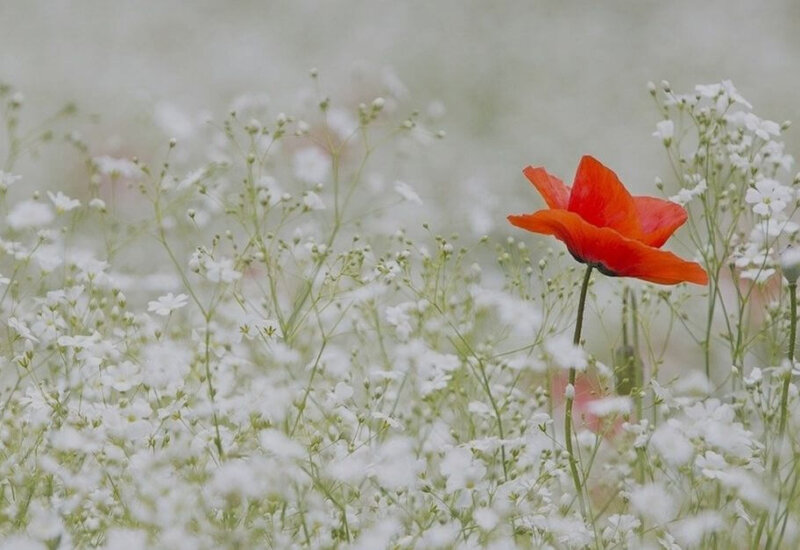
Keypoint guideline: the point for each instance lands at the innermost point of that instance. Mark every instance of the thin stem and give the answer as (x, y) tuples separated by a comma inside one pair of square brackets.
[(787, 377), (576, 340)]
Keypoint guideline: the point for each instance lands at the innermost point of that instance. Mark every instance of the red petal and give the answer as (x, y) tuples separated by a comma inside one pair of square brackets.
[(600, 198), (659, 219), (552, 189), (611, 251)]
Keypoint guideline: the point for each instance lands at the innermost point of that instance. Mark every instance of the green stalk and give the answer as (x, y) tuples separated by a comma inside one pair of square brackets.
[(576, 340), (787, 377)]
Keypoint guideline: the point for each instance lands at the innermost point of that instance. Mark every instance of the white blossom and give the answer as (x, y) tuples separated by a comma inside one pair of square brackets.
[(165, 305)]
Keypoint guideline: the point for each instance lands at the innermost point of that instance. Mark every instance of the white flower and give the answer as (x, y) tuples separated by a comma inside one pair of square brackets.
[(613, 405), (670, 442), (174, 121), (278, 444), (724, 93), (461, 469), (269, 191), (764, 129), (768, 197), (221, 271), (485, 518), (565, 354), (395, 466), (62, 202), (312, 201), (398, 316), (665, 130), (311, 165), (122, 377), (685, 195), (342, 122), (759, 275), (168, 303), (690, 531), (654, 503), (30, 213), (116, 167), (98, 204), (407, 192), (790, 264), (7, 180), (21, 329)]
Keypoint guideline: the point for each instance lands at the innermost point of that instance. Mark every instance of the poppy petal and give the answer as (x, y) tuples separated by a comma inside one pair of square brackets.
[(610, 251), (659, 219), (600, 198), (552, 189)]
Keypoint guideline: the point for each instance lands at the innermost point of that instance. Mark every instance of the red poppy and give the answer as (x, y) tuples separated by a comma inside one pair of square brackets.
[(604, 226)]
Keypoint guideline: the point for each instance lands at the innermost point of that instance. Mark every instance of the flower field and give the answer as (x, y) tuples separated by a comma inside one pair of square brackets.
[(270, 326)]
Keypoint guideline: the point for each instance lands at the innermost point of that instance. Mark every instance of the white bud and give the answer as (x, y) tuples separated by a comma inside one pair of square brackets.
[(790, 264)]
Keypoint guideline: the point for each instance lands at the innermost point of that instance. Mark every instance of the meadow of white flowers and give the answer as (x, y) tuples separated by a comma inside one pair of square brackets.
[(246, 344)]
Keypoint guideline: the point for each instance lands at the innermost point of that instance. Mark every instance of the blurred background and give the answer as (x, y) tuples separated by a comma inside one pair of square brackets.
[(521, 82)]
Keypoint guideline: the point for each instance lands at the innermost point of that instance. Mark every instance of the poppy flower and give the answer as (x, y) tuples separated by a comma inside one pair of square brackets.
[(604, 226)]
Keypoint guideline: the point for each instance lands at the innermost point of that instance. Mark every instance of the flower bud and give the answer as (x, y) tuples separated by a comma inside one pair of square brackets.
[(790, 264)]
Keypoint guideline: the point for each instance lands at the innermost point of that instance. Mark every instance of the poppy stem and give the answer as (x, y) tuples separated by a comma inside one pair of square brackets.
[(576, 340)]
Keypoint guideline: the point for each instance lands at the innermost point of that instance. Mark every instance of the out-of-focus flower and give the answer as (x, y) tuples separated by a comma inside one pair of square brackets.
[(790, 264), (62, 202), (168, 303), (407, 192), (311, 165), (7, 180), (117, 167), (29, 213), (605, 227), (665, 130), (312, 201)]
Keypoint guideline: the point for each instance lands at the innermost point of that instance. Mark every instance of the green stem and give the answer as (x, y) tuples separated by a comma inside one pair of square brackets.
[(576, 340), (787, 377)]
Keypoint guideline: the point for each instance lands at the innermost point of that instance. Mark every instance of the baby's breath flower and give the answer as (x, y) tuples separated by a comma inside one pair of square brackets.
[(165, 305), (62, 202), (29, 213), (311, 165), (7, 180)]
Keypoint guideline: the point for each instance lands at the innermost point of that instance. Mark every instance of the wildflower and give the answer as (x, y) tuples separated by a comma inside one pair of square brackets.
[(685, 195), (565, 354), (7, 180), (407, 192), (62, 202), (768, 197), (168, 303), (342, 123), (790, 264), (665, 130), (312, 201), (605, 227), (654, 503), (117, 167), (30, 214), (98, 204), (221, 271), (311, 165)]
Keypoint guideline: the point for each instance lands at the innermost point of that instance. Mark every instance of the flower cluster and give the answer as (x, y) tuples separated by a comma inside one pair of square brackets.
[(251, 339)]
